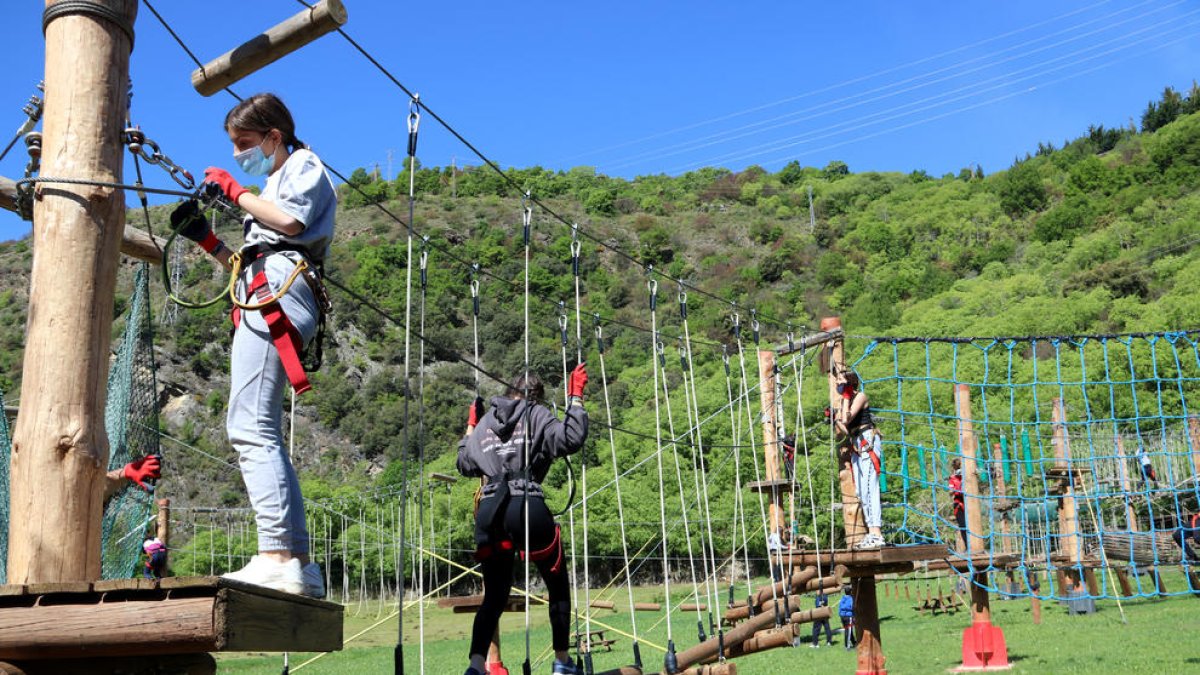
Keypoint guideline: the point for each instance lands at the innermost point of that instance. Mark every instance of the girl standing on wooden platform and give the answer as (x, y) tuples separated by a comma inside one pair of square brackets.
[(288, 231), (866, 453)]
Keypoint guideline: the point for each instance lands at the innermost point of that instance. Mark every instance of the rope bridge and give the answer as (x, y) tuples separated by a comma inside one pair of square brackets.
[(1088, 451)]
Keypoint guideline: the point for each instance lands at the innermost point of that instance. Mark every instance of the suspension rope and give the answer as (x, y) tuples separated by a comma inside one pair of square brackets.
[(413, 121), (670, 662), (612, 444), (661, 373), (686, 361)]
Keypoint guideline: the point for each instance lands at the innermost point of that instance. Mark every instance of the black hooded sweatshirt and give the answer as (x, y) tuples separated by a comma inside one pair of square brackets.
[(496, 447)]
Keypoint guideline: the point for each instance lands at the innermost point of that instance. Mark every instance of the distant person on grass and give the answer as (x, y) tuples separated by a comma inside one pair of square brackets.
[(821, 600), (513, 446), (846, 613)]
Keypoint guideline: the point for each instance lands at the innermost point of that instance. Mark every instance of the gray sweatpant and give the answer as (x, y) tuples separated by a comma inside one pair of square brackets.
[(257, 383), (866, 479)]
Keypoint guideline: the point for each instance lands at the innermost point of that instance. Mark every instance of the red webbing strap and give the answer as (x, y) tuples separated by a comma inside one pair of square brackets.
[(283, 334)]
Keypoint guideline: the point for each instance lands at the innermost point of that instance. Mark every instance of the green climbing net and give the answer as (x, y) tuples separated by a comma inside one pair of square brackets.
[(131, 420)]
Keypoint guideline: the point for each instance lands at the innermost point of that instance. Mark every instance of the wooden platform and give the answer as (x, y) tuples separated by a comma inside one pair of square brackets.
[(771, 486), (872, 562), (980, 561), (138, 617)]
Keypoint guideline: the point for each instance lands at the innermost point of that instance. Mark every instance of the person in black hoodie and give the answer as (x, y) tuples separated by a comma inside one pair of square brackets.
[(513, 446)]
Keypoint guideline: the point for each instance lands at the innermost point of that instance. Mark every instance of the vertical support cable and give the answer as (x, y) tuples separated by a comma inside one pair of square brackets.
[(414, 121)]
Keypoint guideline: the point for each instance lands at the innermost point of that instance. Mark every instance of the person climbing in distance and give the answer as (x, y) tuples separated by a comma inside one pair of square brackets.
[(156, 558), (513, 445), (854, 421), (288, 229), (1188, 529), (956, 497)]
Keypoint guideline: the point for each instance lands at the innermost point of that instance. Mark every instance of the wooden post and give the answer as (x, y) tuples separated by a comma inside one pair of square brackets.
[(976, 544), (60, 448), (269, 46), (766, 390), (983, 643), (1130, 513), (1068, 514), (866, 625)]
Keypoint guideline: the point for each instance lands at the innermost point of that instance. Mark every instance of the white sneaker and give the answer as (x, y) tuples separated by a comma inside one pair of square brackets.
[(314, 581), (870, 541), (262, 571)]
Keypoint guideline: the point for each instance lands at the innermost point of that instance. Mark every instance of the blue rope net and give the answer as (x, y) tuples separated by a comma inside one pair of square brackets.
[(1104, 424), (131, 421)]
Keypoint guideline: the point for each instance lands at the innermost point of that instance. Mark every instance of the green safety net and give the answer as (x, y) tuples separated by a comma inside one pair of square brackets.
[(1102, 426), (131, 420)]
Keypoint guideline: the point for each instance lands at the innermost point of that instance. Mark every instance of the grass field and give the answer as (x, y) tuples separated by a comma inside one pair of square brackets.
[(1156, 636)]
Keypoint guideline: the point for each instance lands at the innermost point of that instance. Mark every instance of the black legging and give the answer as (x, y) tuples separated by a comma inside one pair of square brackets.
[(498, 575)]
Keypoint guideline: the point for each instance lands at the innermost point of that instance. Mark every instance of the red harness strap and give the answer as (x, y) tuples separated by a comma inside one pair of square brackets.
[(283, 333), (553, 551)]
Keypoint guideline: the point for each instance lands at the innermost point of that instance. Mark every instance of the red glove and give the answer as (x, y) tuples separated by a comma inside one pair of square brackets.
[(475, 412), (141, 470), (577, 381), (222, 179)]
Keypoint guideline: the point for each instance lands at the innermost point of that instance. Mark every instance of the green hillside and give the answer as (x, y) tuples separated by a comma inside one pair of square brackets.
[(1095, 236)]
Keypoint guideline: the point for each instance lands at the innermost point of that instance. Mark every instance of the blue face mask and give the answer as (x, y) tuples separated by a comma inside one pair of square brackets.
[(254, 161)]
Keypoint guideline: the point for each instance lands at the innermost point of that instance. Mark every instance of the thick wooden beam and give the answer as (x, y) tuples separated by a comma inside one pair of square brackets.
[(138, 244), (269, 46), (708, 649), (8, 194), (60, 448), (812, 340), (135, 617)]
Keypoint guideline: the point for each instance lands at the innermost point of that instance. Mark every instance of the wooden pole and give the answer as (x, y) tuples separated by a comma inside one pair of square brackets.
[(163, 524), (1068, 514), (983, 643), (766, 390), (269, 46), (60, 448)]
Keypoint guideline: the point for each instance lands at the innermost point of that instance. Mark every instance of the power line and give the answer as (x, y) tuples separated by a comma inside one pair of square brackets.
[(825, 108), (842, 84), (804, 138)]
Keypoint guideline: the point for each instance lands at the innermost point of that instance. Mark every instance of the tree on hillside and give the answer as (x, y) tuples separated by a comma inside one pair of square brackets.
[(1164, 112), (835, 170), (1021, 190)]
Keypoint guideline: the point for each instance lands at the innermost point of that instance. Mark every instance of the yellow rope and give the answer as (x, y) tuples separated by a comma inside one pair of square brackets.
[(235, 262)]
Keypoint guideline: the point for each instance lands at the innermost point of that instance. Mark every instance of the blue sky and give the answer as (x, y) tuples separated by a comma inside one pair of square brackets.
[(642, 87)]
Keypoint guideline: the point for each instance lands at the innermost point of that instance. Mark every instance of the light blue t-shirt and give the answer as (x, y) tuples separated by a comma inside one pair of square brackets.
[(302, 189)]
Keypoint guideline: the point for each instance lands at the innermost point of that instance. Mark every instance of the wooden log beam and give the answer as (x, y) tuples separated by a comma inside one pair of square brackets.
[(134, 617), (713, 669), (812, 340), (708, 649), (138, 244), (269, 46), (60, 447), (762, 641), (8, 194)]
